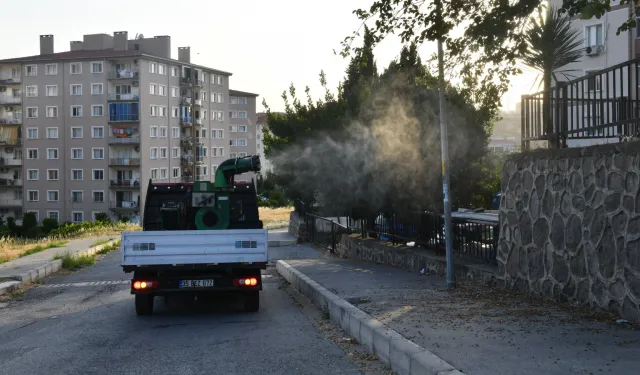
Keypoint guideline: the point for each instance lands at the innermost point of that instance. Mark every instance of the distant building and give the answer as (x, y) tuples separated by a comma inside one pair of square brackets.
[(504, 144)]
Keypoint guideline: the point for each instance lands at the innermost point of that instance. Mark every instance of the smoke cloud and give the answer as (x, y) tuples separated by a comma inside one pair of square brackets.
[(389, 159)]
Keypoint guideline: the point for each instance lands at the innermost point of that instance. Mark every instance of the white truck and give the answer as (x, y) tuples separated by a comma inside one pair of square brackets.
[(199, 239)]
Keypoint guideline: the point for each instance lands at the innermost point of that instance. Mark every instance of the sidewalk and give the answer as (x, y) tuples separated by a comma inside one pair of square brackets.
[(38, 265), (481, 330)]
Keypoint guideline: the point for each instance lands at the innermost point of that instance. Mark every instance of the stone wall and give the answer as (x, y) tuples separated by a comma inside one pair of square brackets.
[(297, 227), (570, 226)]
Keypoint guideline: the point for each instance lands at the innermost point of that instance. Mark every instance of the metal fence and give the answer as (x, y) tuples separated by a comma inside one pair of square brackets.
[(602, 104), (474, 234)]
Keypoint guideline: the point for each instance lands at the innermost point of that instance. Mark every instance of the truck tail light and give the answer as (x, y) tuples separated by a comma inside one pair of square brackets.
[(246, 281), (140, 284)]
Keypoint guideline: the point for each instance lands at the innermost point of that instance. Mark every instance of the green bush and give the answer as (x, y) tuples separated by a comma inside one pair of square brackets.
[(102, 217), (29, 221), (49, 225), (14, 229)]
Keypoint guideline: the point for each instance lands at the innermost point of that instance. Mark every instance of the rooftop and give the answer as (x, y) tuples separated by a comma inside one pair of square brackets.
[(241, 93)]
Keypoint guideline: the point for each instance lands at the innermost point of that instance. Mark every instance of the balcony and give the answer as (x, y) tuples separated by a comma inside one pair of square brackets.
[(124, 205), (11, 161), (15, 80), (10, 99), (124, 140), (124, 184), (9, 182), (10, 202), (198, 102), (132, 97), (124, 74), (124, 162), (186, 179), (10, 142), (15, 120), (198, 121), (123, 118), (186, 81), (185, 121), (185, 100)]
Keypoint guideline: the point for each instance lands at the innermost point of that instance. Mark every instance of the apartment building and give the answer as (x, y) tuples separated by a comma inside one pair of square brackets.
[(602, 49), (83, 131), (261, 124), (242, 127)]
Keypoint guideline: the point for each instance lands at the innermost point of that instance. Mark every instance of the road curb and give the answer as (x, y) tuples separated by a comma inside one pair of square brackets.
[(402, 355), (47, 269)]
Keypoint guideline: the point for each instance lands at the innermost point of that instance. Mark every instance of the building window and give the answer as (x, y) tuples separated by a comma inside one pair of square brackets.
[(51, 69), (33, 195), (176, 172), (77, 153), (154, 110), (153, 153), (52, 175), (162, 69), (75, 68), (52, 133), (164, 173), (97, 110), (52, 153), (33, 174), (97, 132), (220, 133), (204, 96), (96, 89), (175, 152), (175, 112), (175, 132), (76, 132), (242, 114), (164, 152), (593, 35), (153, 89), (242, 142), (164, 132), (52, 112), (242, 154), (153, 131), (162, 90), (77, 217), (98, 196), (233, 128), (213, 97), (242, 128), (233, 142), (32, 133), (76, 111), (31, 70), (98, 174), (51, 90), (55, 215), (77, 174), (220, 116), (32, 153), (96, 67), (32, 112), (174, 92), (219, 80), (76, 196), (154, 173), (52, 195), (233, 155), (174, 71), (97, 153), (76, 90), (32, 91), (220, 98), (163, 111), (152, 67)]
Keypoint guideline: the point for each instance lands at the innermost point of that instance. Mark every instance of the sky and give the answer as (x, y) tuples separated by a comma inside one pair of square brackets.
[(267, 44)]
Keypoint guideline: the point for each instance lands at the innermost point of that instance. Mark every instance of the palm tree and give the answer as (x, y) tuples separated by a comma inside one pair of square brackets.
[(552, 44)]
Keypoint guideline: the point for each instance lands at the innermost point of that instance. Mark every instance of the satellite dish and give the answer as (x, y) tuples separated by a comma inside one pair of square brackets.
[(140, 36)]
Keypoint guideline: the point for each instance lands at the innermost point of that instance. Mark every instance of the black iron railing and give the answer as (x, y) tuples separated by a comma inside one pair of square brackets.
[(602, 104), (324, 232)]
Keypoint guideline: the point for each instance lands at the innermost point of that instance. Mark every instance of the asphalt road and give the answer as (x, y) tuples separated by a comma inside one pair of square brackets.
[(85, 323)]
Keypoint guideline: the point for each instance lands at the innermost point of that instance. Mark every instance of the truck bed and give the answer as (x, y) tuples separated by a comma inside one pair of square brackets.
[(189, 247)]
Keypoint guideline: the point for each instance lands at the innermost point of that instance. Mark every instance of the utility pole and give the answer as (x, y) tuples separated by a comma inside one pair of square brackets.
[(444, 144)]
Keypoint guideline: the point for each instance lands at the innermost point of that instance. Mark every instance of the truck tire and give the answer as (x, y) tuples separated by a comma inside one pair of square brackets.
[(252, 302), (144, 304)]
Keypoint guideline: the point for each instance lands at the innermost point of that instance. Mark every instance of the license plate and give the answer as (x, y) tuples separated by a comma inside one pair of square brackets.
[(196, 283)]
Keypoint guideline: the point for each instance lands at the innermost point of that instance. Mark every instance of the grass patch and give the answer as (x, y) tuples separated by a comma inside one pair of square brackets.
[(72, 263), (110, 248), (274, 215), (42, 247), (100, 242)]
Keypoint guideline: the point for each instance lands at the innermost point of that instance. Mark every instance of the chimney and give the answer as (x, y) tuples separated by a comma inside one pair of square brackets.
[(76, 45), (46, 44), (120, 41), (184, 54)]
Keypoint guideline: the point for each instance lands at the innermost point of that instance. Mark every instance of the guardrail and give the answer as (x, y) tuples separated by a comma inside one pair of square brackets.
[(5, 99), (125, 162), (11, 202), (124, 118), (124, 140), (123, 97), (124, 74)]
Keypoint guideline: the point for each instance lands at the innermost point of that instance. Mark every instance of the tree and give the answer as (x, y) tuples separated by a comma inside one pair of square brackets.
[(587, 9), (552, 44)]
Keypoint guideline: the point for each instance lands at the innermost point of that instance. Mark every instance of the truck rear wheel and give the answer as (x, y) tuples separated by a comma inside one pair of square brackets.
[(252, 302), (144, 304)]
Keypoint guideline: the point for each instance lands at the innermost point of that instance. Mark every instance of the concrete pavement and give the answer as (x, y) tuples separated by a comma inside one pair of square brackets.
[(476, 329), (85, 323)]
